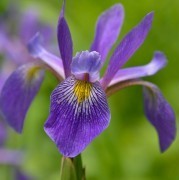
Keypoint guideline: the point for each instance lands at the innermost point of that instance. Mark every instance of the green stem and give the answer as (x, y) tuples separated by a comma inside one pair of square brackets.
[(72, 169)]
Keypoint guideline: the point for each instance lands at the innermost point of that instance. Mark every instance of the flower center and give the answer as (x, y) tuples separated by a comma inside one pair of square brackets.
[(82, 90), (86, 66)]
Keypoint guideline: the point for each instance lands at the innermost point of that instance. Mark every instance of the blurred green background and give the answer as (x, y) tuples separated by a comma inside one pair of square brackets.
[(129, 148)]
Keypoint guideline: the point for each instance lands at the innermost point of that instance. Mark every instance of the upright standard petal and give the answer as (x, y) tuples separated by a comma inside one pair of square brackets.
[(158, 62), (79, 112), (86, 65), (51, 61), (18, 92), (65, 43), (107, 30), (131, 42), (160, 114)]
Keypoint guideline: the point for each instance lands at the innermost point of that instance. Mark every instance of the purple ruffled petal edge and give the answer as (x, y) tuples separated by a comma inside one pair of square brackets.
[(85, 63)]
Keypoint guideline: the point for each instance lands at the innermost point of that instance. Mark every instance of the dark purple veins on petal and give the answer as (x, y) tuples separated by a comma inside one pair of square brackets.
[(161, 116), (17, 94), (72, 125), (65, 43), (128, 46)]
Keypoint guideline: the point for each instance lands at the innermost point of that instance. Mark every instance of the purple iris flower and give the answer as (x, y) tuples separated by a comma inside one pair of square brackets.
[(79, 111), (14, 52), (13, 43)]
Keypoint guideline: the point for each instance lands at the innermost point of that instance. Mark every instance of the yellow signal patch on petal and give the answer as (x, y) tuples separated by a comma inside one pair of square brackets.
[(82, 90), (32, 73)]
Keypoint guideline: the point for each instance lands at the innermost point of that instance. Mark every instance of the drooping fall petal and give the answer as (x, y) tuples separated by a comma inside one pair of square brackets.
[(160, 114), (18, 92), (79, 112)]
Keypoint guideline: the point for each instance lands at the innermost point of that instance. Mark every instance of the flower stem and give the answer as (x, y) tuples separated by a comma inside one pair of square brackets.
[(72, 169)]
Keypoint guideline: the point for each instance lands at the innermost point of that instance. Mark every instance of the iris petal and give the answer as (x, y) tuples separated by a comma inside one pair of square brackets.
[(161, 115), (86, 62), (79, 112), (65, 42), (18, 92), (158, 62), (53, 62), (107, 30), (128, 46), (158, 111)]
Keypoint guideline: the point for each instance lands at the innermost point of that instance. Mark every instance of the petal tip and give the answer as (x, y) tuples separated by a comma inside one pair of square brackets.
[(161, 57), (161, 116), (148, 19), (164, 148), (118, 6), (34, 45), (150, 15)]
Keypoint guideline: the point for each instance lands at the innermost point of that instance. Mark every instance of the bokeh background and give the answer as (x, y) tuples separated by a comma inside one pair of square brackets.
[(129, 148)]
